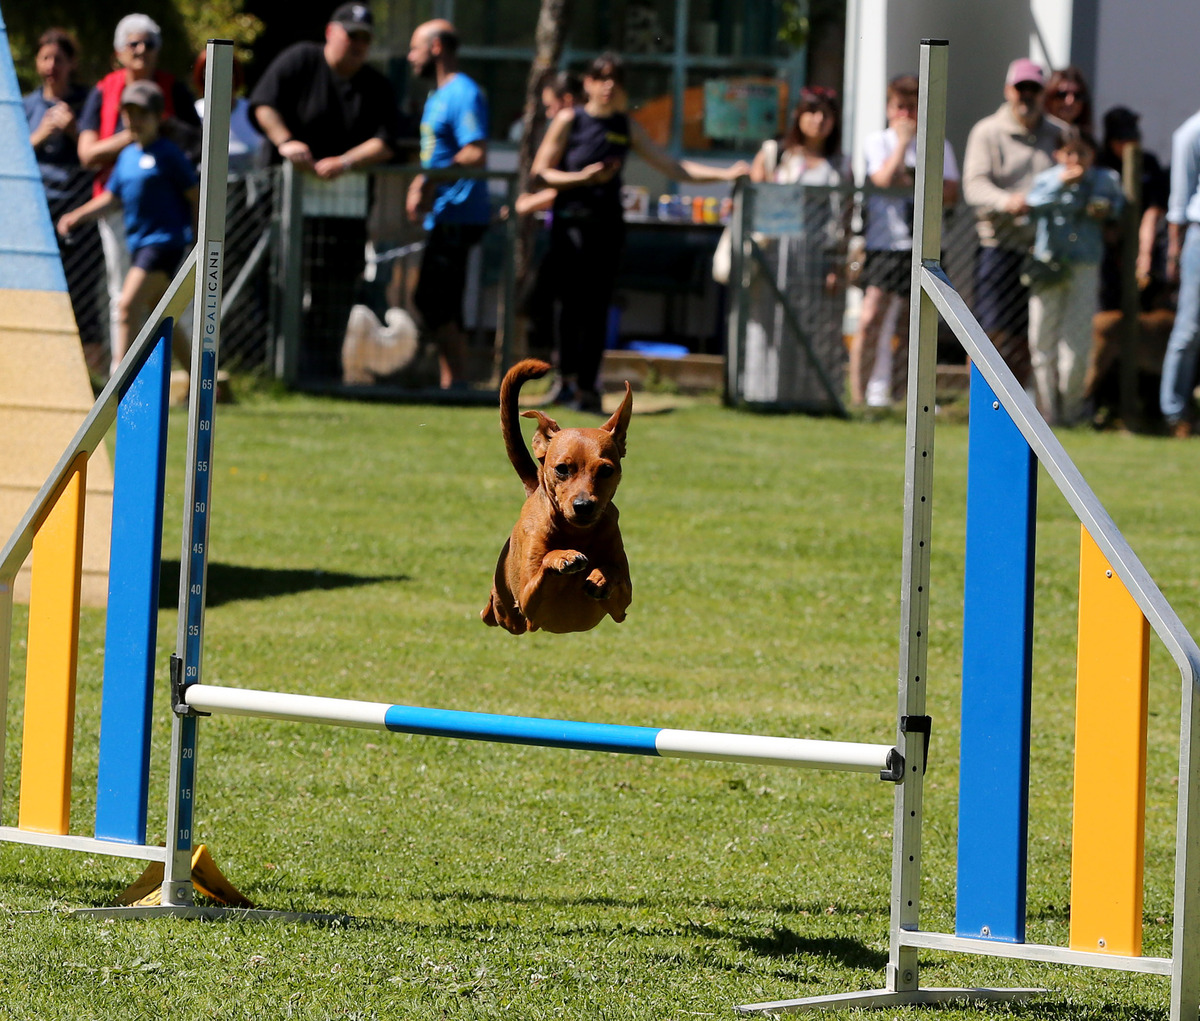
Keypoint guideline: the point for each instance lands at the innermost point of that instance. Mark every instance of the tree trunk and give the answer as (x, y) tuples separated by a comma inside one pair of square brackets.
[(553, 22)]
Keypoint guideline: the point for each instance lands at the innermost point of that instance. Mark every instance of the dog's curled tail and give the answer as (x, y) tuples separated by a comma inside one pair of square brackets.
[(514, 442)]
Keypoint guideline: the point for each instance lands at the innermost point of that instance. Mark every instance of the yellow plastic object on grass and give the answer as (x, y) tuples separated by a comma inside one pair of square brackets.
[(207, 878)]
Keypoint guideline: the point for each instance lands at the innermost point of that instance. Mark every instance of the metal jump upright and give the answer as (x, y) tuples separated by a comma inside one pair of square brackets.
[(1119, 604)]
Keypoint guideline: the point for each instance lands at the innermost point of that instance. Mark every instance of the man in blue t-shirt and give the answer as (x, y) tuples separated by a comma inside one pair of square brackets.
[(454, 127)]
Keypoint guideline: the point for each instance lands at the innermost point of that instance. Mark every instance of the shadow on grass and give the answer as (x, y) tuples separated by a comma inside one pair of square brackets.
[(229, 583), (783, 943), (1065, 1010), (789, 908)]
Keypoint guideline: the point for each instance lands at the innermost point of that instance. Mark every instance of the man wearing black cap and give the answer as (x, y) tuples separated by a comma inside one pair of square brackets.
[(327, 112)]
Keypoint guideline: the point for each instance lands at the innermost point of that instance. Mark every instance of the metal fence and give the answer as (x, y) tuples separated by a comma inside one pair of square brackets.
[(246, 314), (346, 267), (796, 298), (319, 281)]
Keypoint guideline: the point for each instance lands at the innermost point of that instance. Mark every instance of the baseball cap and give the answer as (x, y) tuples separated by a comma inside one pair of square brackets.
[(354, 18), (1024, 70), (1121, 123), (145, 94)]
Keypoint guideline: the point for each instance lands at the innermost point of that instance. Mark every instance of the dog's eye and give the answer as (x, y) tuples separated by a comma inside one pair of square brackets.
[(605, 471), (562, 470)]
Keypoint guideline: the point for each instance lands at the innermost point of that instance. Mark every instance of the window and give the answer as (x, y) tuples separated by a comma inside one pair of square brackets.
[(671, 48)]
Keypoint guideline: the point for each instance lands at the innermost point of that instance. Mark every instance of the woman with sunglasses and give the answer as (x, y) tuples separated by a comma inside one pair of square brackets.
[(103, 134), (1069, 99), (807, 266)]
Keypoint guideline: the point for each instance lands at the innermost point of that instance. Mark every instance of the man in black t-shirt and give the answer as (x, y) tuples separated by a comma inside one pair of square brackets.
[(326, 112)]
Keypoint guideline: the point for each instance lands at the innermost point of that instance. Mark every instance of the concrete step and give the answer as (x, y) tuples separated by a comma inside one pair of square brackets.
[(689, 374)]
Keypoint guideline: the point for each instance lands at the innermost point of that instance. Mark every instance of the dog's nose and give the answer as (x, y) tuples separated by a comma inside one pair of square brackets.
[(585, 506)]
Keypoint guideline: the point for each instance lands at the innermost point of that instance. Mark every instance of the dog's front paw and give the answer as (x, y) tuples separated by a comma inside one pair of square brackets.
[(566, 561), (596, 585)]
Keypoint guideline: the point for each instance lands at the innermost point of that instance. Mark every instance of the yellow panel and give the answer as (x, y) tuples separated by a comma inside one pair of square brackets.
[(51, 661), (36, 310), (1108, 835), (45, 394)]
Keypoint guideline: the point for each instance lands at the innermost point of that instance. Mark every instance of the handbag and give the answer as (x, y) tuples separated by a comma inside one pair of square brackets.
[(722, 260), (1038, 273)]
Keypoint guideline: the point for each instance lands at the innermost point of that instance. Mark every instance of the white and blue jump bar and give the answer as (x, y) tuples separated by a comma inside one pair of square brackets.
[(885, 760)]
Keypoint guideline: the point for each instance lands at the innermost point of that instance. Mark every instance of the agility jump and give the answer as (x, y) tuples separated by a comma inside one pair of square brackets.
[(136, 399), (1119, 605)]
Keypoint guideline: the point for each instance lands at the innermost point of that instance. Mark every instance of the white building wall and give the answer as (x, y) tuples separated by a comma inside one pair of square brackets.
[(1148, 58), (984, 36), (1144, 56)]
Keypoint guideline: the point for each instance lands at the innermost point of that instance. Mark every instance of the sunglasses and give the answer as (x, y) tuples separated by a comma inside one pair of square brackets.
[(818, 93), (1067, 94), (1028, 88), (141, 44)]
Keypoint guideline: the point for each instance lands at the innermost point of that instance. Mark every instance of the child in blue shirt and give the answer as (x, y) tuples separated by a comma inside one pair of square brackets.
[(157, 187), (1070, 203)]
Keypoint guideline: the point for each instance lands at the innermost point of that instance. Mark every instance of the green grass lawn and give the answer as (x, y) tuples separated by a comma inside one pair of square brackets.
[(352, 548)]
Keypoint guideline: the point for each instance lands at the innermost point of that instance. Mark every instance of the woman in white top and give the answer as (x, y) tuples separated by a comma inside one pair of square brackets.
[(806, 266)]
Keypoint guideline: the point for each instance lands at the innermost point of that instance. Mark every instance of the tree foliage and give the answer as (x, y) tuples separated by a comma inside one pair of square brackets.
[(801, 20), (186, 26)]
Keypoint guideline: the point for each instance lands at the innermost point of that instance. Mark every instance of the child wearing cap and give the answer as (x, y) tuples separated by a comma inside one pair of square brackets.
[(156, 186)]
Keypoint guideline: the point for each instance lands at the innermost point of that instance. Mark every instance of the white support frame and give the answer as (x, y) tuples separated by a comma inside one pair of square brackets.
[(933, 294)]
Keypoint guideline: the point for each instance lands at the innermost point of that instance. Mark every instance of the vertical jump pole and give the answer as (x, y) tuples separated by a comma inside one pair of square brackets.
[(913, 726), (193, 561)]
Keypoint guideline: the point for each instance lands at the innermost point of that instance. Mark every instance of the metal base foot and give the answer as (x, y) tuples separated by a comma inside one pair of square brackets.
[(886, 998)]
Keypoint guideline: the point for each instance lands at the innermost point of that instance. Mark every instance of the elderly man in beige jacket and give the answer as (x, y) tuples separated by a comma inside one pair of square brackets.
[(1005, 151)]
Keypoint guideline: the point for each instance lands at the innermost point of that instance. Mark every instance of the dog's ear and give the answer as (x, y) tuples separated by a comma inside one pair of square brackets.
[(618, 425), (546, 429)]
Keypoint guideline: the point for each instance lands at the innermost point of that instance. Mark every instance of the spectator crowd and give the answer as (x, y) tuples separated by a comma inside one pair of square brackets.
[(1045, 193)]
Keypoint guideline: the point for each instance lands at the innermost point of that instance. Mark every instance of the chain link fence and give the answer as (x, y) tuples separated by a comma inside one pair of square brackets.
[(319, 282), (246, 313), (345, 272), (796, 299)]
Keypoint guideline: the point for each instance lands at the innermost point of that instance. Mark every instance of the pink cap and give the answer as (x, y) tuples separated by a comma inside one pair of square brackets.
[(1024, 70)]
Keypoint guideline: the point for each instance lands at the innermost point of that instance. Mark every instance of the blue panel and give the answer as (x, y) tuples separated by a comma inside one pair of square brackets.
[(132, 623), (29, 259), (997, 656), (595, 737), (23, 271)]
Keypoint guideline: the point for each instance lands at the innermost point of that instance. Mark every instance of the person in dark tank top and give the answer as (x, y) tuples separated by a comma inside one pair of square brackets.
[(582, 157), (603, 140)]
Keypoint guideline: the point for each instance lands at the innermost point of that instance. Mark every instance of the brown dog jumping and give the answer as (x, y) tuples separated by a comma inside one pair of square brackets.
[(563, 568)]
